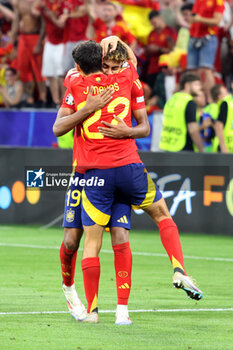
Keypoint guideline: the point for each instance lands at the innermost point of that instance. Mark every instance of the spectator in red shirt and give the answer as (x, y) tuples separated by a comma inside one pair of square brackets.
[(52, 63), (161, 40), (203, 42), (74, 20), (109, 24)]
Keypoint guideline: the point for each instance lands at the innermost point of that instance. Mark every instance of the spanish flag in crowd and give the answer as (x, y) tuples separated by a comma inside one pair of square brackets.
[(135, 14)]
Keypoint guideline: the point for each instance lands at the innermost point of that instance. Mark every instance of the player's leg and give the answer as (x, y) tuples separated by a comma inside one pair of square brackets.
[(91, 266), (169, 234), (145, 195), (119, 227), (170, 239), (96, 212), (68, 252)]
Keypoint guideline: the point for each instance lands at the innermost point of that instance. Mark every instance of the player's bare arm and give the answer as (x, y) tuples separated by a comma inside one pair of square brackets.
[(121, 130), (67, 119), (112, 42)]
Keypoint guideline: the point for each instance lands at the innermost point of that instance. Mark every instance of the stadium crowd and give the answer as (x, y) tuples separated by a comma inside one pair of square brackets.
[(169, 37)]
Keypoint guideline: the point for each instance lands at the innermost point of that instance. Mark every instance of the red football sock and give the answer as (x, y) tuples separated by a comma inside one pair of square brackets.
[(68, 263), (123, 268), (169, 235), (91, 276)]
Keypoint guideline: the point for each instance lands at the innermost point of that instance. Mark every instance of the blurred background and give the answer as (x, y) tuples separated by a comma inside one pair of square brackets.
[(170, 38)]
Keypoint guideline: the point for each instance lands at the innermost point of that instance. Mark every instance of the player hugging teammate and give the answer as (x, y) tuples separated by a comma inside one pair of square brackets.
[(104, 147)]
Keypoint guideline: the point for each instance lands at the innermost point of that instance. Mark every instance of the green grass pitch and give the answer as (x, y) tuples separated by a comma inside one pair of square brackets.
[(30, 281)]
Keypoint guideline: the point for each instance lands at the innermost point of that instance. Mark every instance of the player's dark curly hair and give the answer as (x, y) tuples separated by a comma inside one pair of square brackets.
[(88, 55), (119, 55)]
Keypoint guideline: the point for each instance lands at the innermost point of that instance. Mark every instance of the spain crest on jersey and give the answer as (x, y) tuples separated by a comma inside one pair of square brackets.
[(70, 215)]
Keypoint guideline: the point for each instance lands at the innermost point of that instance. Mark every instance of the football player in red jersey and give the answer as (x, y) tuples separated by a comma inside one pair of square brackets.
[(168, 230), (120, 221), (120, 170)]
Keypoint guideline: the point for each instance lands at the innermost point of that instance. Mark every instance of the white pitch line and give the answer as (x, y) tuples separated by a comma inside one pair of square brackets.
[(16, 245), (113, 311), (33, 246)]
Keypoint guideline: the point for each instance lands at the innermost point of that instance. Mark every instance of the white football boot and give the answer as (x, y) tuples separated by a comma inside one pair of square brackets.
[(91, 317), (75, 306), (187, 284), (122, 315)]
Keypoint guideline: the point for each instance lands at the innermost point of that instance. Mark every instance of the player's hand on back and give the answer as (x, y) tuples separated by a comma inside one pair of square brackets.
[(116, 131), (96, 102)]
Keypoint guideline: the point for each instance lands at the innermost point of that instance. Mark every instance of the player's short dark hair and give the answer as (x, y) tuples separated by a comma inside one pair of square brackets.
[(215, 91), (88, 55), (119, 55), (188, 7), (188, 78), (153, 14)]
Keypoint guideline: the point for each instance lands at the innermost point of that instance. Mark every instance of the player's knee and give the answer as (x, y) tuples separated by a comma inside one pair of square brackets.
[(158, 211), (91, 249), (72, 237), (119, 235), (91, 246)]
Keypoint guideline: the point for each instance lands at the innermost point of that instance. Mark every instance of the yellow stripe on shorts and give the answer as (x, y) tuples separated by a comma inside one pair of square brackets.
[(95, 214), (150, 196)]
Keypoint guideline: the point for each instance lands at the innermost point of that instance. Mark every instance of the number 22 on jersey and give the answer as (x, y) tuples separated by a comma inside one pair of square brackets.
[(97, 115)]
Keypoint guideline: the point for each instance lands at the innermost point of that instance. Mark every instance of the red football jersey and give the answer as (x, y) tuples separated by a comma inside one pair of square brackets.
[(206, 8), (137, 98), (93, 150), (163, 40)]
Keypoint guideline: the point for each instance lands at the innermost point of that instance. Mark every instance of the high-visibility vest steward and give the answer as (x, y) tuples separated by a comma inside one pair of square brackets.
[(174, 131), (228, 128)]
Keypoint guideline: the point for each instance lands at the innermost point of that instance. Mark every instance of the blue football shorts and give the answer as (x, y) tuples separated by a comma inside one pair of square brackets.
[(121, 209), (131, 183)]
